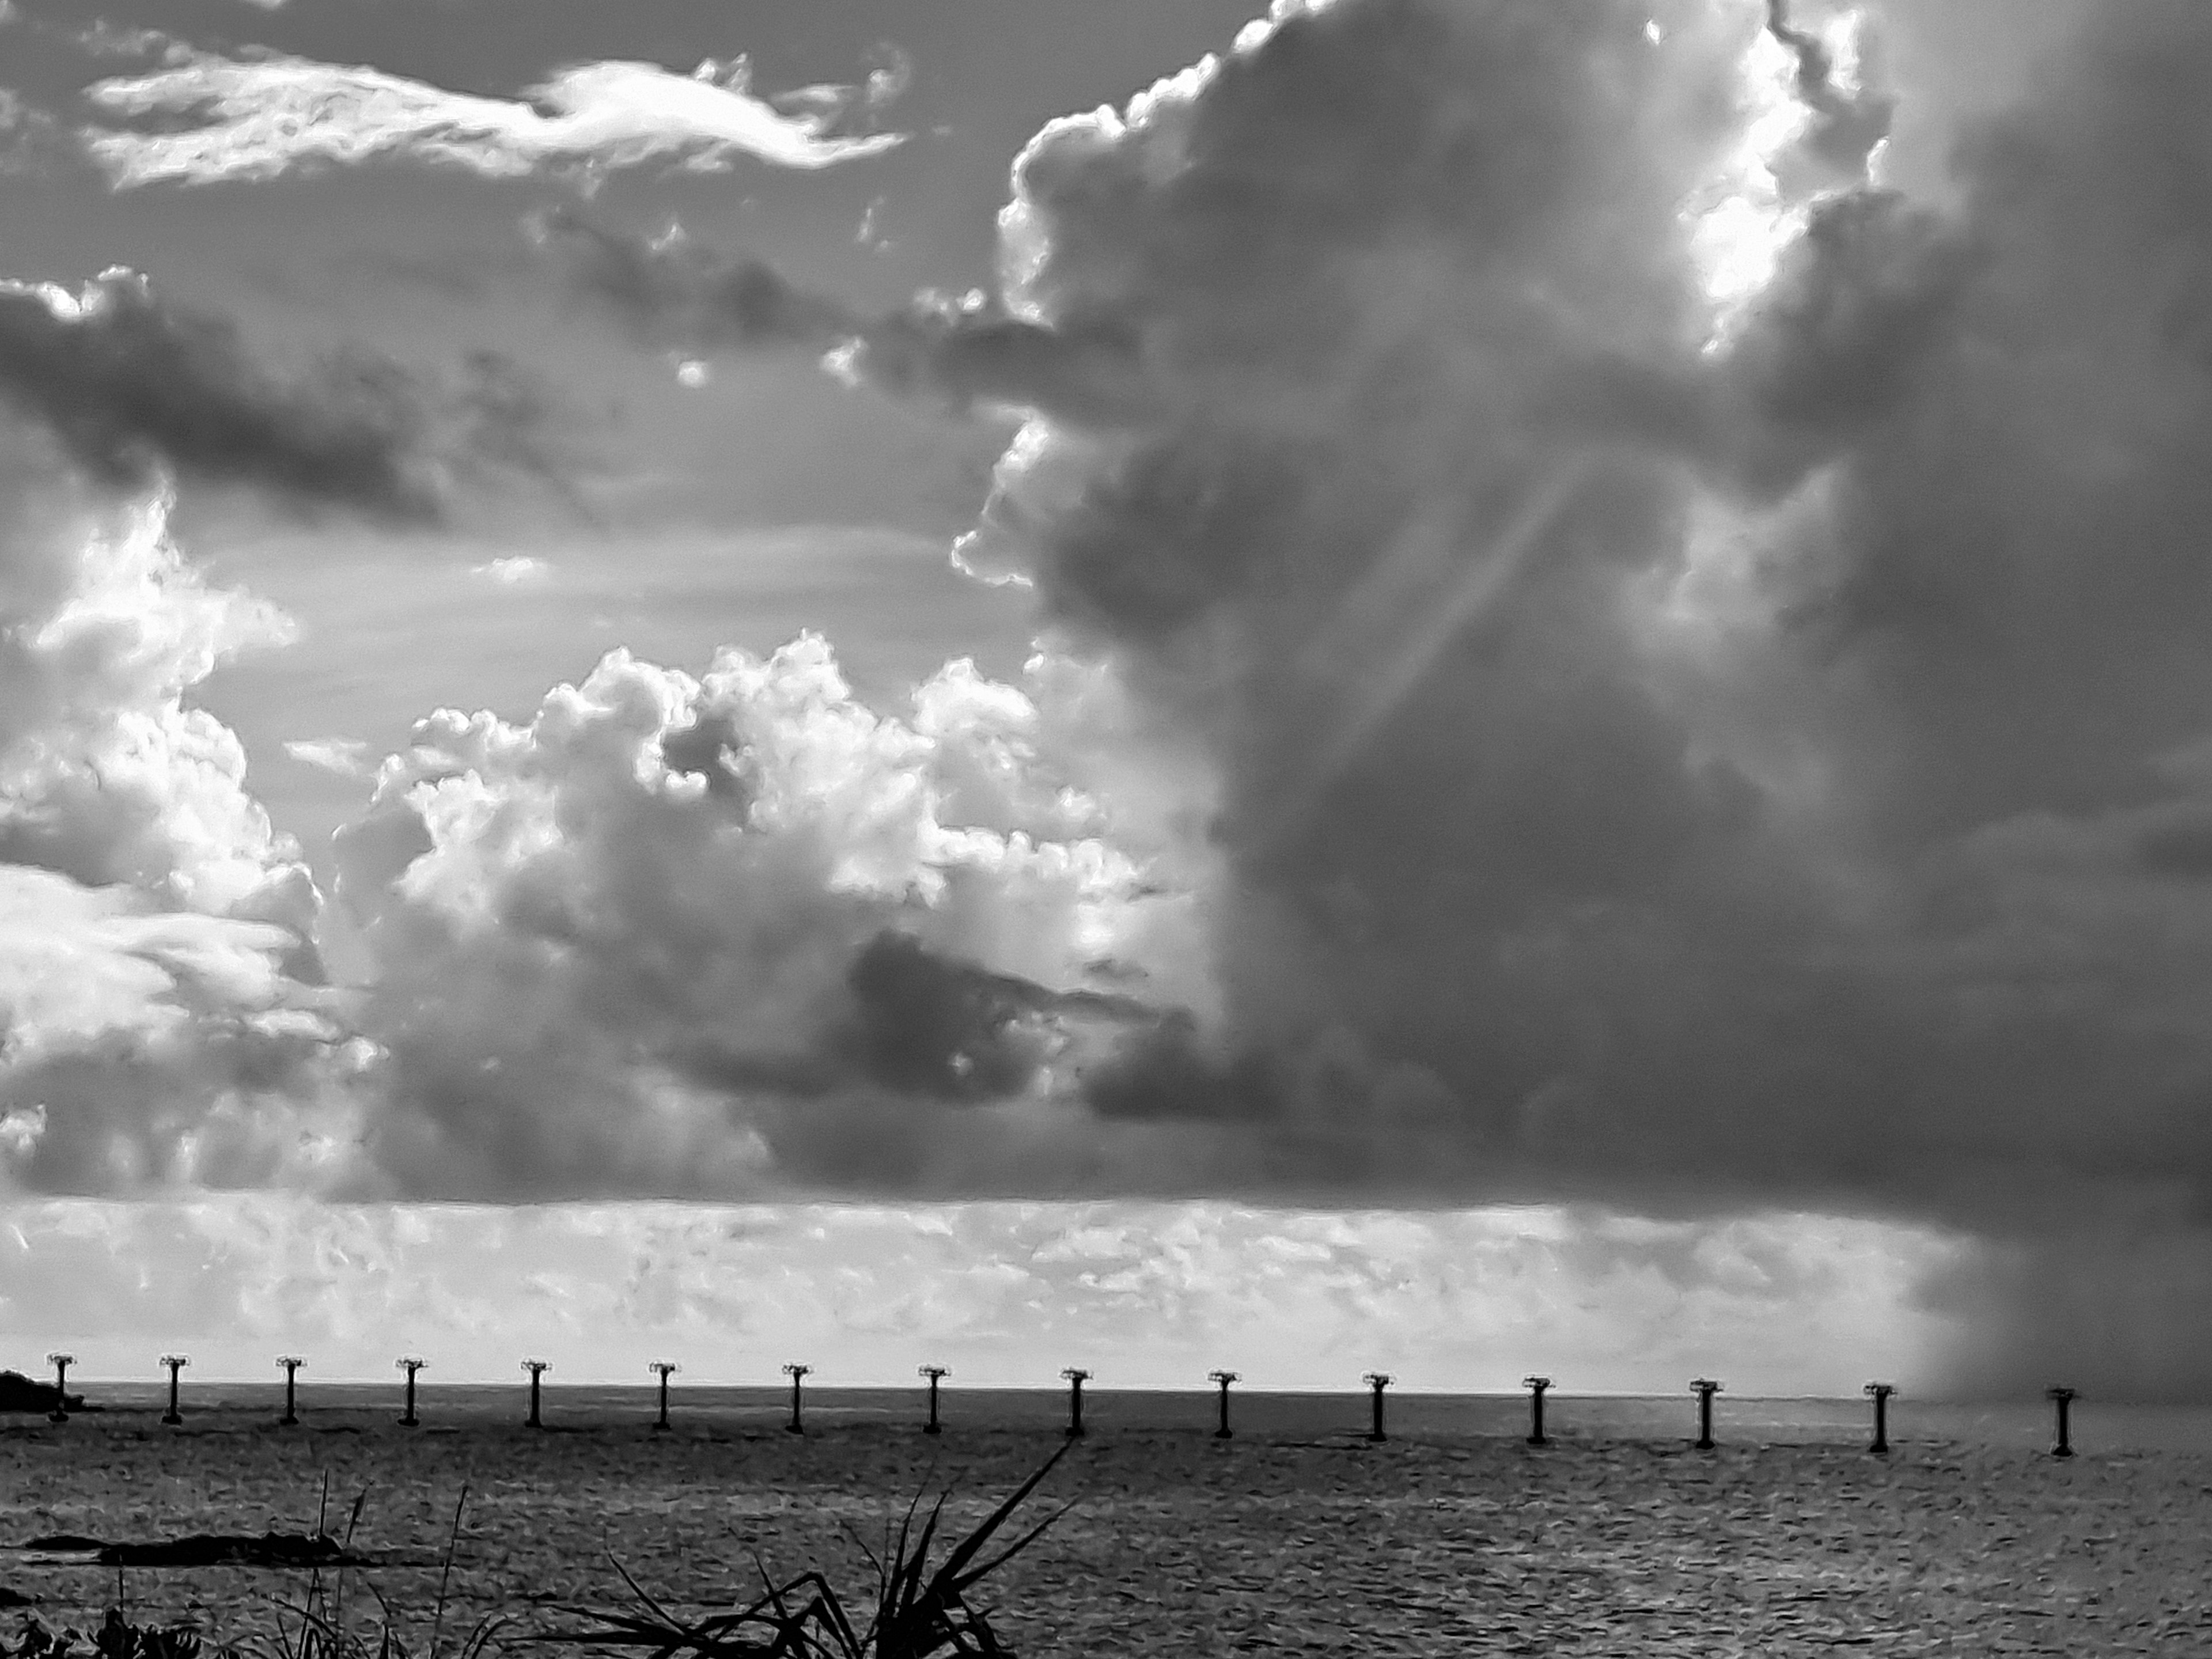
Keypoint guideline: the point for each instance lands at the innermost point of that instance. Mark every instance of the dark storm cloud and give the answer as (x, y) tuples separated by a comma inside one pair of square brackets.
[(669, 292), (1756, 832), (130, 385), (919, 1026), (947, 1030)]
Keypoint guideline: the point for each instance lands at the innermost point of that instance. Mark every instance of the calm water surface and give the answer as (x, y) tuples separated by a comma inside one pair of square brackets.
[(1296, 1537)]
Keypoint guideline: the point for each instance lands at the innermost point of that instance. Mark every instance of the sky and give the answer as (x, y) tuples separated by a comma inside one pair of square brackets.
[(1461, 685)]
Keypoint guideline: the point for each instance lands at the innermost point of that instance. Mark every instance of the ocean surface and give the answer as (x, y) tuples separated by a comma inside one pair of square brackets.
[(1297, 1536)]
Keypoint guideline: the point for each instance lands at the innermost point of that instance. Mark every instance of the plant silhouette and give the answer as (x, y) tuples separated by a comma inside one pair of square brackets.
[(919, 1613)]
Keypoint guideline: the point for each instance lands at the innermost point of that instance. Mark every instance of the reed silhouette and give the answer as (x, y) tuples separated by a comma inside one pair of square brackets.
[(2063, 1399), (411, 1365), (1377, 1381), (1880, 1394), (1223, 1379), (537, 1368), (1706, 1388), (175, 1362), (666, 1368), (1076, 1376), (291, 1363), (1536, 1385), (920, 1609), (934, 1373), (797, 1425), (61, 1362)]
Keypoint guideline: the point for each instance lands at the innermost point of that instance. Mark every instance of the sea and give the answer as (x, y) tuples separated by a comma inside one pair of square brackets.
[(1299, 1533)]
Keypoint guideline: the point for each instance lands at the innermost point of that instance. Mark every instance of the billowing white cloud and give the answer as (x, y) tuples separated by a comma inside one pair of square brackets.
[(733, 934), (255, 117), (105, 774), (345, 758), (162, 1023)]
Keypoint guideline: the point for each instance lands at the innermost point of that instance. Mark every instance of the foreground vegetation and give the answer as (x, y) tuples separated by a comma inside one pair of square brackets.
[(915, 1610)]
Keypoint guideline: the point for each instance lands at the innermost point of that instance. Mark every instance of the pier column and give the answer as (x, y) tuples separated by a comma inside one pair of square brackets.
[(1377, 1381), (1076, 1376), (61, 1362), (537, 1368), (175, 1362), (797, 1425), (1222, 1379), (934, 1373), (665, 1368), (1536, 1385), (1880, 1394), (1706, 1388), (291, 1365), (2064, 1398), (411, 1365)]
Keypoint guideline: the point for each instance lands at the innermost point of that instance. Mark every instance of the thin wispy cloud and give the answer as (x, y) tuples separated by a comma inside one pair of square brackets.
[(260, 116)]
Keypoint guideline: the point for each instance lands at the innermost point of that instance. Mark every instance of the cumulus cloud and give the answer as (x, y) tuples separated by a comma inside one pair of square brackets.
[(212, 118), (162, 1021), (133, 389), (733, 933), (163, 1018)]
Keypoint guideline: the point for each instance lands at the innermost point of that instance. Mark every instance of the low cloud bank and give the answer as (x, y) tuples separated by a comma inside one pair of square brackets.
[(1147, 1295)]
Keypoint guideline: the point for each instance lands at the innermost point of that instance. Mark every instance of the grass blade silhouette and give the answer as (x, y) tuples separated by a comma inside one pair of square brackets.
[(919, 1613)]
